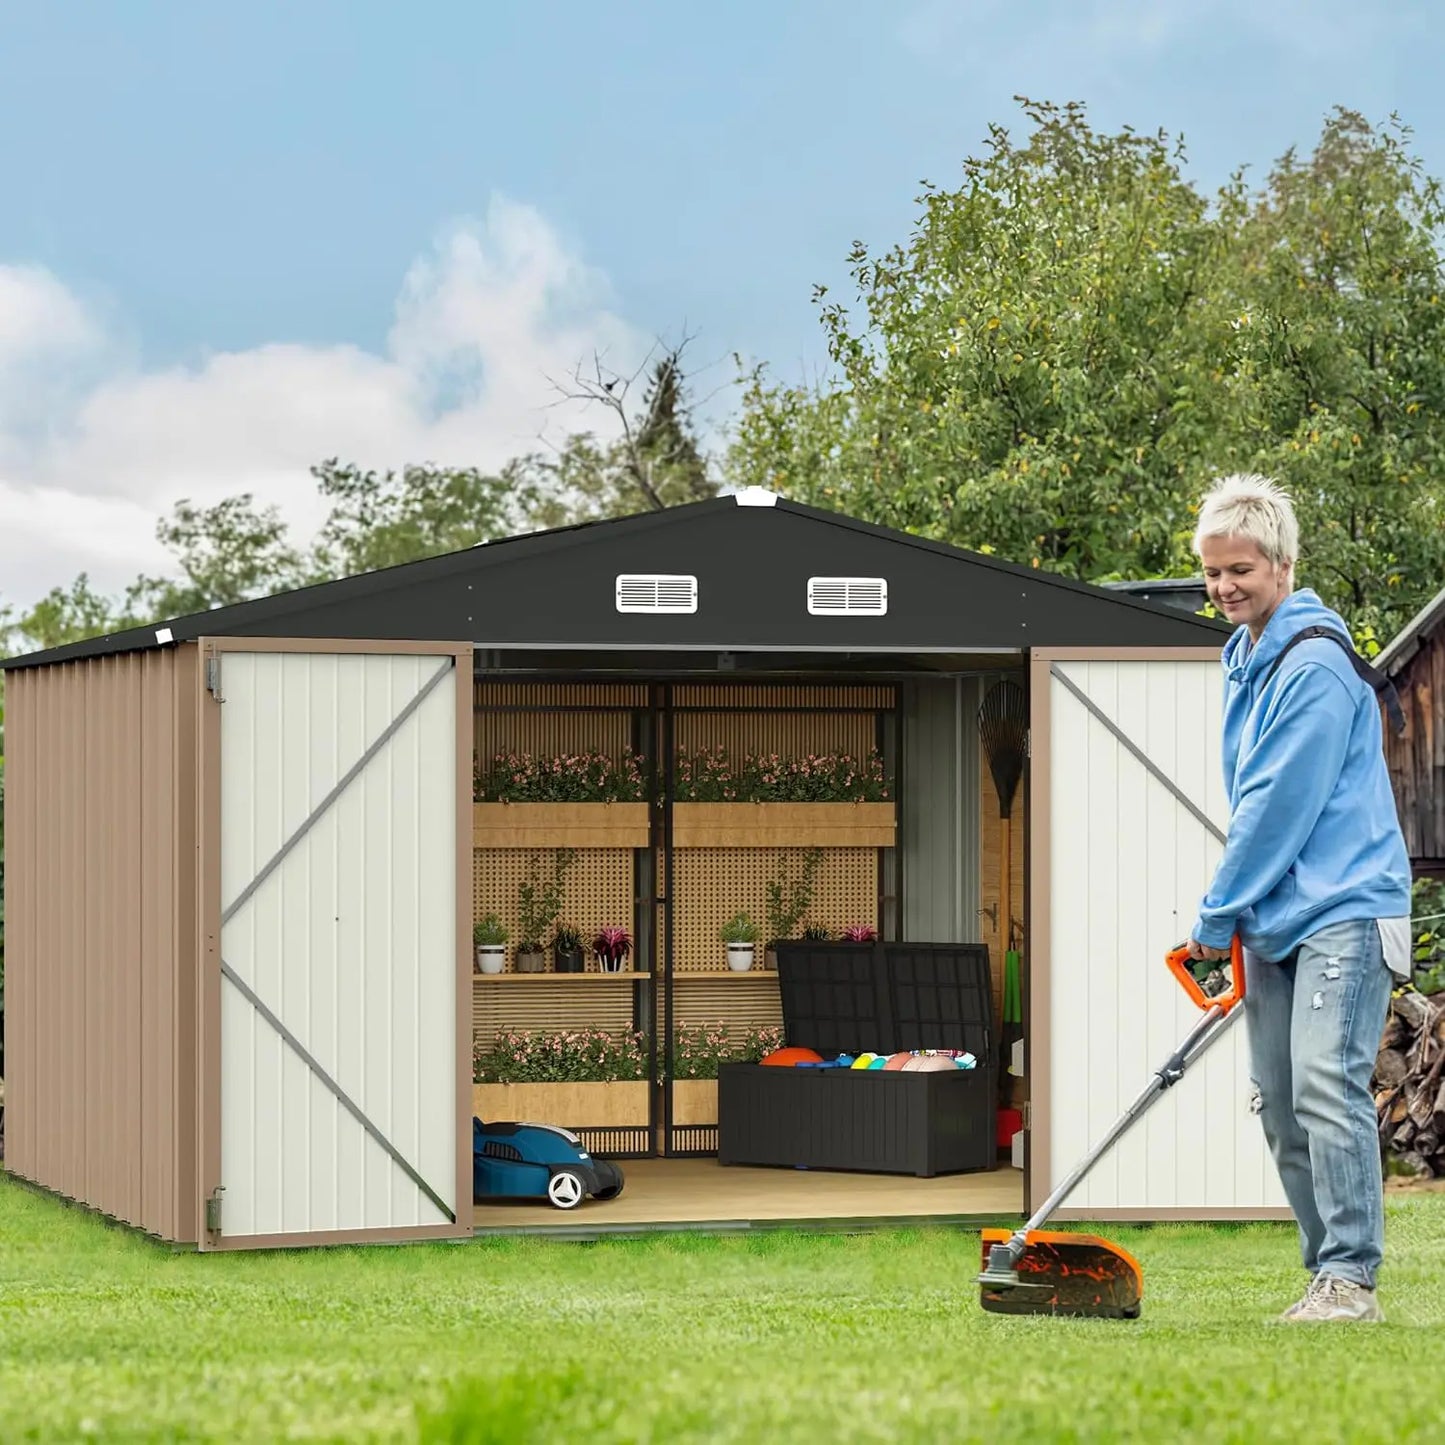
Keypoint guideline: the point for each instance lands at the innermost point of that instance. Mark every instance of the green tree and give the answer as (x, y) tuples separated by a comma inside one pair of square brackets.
[(224, 554), (1075, 339), (654, 459), (382, 519), (1341, 381)]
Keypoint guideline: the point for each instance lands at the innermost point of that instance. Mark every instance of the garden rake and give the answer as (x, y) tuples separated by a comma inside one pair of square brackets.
[(1033, 1271)]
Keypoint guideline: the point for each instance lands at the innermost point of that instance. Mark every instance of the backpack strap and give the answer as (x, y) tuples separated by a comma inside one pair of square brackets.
[(1381, 685)]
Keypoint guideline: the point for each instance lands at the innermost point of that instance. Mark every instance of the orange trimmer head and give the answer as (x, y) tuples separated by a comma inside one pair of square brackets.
[(1030, 1272), (1065, 1274)]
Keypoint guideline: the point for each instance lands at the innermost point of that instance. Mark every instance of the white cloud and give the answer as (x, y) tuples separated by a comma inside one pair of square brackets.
[(94, 450)]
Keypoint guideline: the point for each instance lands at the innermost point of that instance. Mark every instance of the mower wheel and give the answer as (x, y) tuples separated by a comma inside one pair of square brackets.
[(566, 1189)]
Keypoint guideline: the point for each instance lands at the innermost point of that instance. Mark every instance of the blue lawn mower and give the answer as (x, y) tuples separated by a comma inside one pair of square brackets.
[(536, 1161)]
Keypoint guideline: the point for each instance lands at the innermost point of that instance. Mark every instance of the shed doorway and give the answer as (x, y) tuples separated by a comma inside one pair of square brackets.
[(663, 859)]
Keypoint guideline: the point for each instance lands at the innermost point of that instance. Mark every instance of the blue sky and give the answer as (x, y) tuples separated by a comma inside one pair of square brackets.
[(237, 238)]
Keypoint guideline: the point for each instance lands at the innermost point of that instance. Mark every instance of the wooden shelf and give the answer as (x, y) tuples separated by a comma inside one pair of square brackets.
[(727, 973), (557, 977)]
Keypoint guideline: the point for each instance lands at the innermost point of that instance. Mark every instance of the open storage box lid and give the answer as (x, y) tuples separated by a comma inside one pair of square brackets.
[(886, 997)]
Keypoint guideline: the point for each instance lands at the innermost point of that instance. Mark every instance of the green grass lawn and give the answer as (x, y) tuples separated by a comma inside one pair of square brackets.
[(777, 1336)]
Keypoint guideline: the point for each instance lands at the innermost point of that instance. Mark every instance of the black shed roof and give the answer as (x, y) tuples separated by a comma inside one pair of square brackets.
[(752, 560)]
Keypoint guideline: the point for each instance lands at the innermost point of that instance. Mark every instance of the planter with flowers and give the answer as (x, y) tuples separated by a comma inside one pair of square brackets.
[(610, 948), (768, 801), (697, 1051), (578, 1078), (574, 800)]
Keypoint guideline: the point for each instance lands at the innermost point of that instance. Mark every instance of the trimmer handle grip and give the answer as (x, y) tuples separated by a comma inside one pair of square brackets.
[(1210, 983)]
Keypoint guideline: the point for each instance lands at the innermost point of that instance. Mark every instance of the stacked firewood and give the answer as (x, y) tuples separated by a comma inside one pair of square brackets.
[(1410, 1084)]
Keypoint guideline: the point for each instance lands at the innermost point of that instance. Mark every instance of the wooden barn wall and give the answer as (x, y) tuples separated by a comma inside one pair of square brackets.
[(1416, 760)]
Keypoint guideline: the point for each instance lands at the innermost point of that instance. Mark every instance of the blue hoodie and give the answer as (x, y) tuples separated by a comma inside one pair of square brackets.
[(1314, 836)]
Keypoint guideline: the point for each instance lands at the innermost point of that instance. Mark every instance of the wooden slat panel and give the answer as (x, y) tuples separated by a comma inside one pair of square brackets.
[(742, 1002), (549, 1005), (559, 694), (550, 733), (712, 695)]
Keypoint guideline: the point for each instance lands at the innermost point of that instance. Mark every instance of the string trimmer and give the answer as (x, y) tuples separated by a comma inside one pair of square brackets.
[(1032, 1271)]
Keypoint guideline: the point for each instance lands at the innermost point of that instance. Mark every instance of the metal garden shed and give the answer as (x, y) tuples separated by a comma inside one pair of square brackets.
[(244, 866)]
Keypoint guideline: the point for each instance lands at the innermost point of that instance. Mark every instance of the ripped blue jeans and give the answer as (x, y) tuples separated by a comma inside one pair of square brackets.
[(1314, 1022)]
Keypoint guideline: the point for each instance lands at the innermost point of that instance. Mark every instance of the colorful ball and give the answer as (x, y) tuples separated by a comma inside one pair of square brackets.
[(930, 1064), (881, 1062), (863, 1061), (787, 1057), (897, 1061)]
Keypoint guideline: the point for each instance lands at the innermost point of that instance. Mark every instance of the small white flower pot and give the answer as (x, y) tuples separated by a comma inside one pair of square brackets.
[(740, 957), (491, 957)]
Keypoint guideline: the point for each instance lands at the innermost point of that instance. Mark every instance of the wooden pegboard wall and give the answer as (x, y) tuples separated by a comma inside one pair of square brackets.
[(597, 891), (711, 884)]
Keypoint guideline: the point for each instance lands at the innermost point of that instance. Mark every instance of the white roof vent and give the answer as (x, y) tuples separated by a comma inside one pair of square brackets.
[(656, 592), (847, 596), (755, 497)]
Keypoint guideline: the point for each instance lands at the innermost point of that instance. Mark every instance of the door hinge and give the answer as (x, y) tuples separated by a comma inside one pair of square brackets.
[(1028, 1114), (213, 678), (213, 1210)]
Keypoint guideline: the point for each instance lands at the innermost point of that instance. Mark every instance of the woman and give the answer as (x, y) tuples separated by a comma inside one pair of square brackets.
[(1314, 878)]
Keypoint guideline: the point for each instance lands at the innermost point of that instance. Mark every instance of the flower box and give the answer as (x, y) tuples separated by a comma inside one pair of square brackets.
[(694, 1101), (621, 1104), (784, 825), (559, 825)]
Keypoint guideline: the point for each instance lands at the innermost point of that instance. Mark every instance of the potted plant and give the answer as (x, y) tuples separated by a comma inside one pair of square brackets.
[(860, 933), (788, 900), (567, 954), (610, 947), (490, 939), (816, 933), (740, 933), (538, 905)]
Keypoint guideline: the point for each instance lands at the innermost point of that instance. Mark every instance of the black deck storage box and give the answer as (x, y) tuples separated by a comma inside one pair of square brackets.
[(883, 997)]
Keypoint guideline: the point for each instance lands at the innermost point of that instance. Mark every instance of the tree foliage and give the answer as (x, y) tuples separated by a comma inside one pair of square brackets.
[(1075, 339)]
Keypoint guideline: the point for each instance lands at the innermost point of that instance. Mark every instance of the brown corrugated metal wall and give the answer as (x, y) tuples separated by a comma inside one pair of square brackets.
[(100, 827)]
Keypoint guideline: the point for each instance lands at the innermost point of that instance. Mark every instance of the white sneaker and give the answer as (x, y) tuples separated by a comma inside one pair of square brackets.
[(1331, 1298), (1303, 1300)]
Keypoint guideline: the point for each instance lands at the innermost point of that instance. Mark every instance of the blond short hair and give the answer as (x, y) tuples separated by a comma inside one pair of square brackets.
[(1253, 507)]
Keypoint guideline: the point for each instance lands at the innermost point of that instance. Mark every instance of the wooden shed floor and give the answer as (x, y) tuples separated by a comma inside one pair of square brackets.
[(703, 1194)]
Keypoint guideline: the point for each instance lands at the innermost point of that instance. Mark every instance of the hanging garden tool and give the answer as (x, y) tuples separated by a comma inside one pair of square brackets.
[(1003, 725), (1033, 1272)]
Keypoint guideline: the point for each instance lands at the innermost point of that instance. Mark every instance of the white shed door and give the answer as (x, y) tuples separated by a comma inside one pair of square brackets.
[(1128, 803), (339, 954)]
